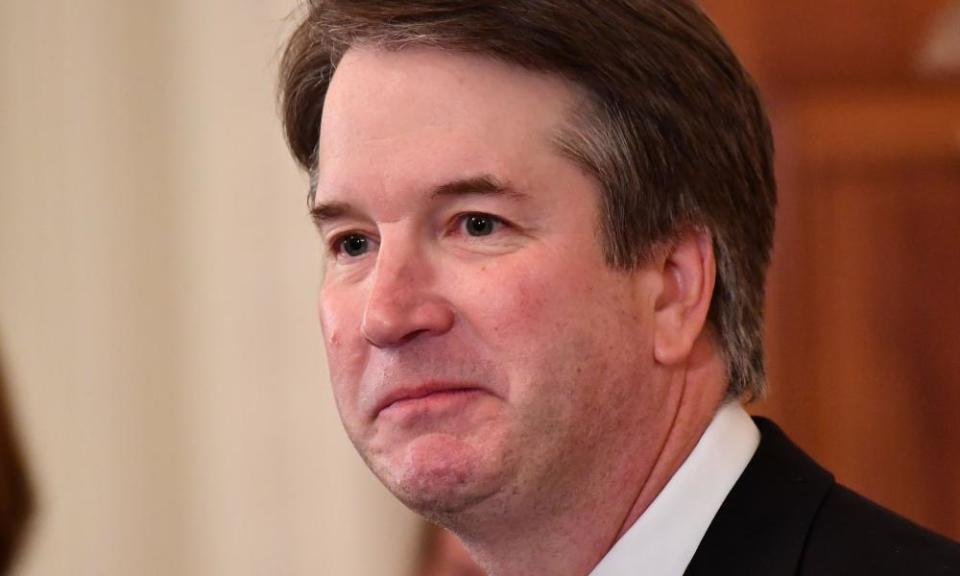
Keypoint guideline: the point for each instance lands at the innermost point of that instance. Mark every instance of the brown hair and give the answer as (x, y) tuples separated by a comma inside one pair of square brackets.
[(674, 130)]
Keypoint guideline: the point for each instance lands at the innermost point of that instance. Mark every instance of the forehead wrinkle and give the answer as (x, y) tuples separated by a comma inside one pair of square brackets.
[(551, 137)]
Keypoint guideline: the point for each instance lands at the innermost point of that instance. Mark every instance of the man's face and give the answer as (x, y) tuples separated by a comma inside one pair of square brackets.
[(480, 349)]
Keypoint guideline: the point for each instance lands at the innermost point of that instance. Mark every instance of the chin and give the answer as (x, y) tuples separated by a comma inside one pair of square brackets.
[(437, 476), (439, 503)]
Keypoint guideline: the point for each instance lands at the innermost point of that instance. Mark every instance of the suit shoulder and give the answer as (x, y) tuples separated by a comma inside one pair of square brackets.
[(852, 535)]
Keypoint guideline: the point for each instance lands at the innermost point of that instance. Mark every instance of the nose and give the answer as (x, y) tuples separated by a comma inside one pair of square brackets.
[(404, 302)]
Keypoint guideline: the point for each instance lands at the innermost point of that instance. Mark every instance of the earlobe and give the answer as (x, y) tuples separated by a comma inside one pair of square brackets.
[(689, 274)]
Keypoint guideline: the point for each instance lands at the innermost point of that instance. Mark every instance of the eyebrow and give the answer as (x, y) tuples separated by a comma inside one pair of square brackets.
[(328, 211), (482, 185)]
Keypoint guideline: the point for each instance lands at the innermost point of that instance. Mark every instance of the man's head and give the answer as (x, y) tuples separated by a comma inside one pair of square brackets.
[(670, 125), (522, 201)]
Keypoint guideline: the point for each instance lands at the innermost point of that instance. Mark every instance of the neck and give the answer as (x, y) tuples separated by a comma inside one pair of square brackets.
[(570, 538), (704, 390)]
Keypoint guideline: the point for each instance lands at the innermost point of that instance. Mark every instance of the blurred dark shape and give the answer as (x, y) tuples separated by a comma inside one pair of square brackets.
[(16, 495), (442, 554)]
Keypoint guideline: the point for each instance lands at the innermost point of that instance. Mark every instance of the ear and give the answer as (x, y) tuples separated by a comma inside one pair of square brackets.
[(689, 271)]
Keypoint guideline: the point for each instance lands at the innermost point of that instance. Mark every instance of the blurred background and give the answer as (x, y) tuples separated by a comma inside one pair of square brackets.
[(164, 371)]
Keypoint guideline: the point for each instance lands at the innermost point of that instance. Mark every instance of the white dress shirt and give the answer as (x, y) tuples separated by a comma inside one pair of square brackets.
[(665, 537)]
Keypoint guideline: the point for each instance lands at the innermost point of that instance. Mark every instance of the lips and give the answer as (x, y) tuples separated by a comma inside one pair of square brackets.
[(401, 395)]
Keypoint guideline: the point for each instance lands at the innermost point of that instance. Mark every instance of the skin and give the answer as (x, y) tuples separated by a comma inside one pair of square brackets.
[(448, 557), (495, 373)]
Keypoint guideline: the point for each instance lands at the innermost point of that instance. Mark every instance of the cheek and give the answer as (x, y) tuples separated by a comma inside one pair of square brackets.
[(340, 310), (339, 313), (524, 316), (535, 305), (562, 335), (502, 303), (334, 312)]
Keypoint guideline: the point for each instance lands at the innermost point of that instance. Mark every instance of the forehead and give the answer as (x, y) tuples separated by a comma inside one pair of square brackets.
[(393, 116)]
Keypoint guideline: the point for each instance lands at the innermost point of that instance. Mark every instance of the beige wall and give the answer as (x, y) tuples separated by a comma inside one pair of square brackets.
[(157, 281)]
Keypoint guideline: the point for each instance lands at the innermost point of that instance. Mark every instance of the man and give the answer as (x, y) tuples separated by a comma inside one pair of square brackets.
[(548, 224)]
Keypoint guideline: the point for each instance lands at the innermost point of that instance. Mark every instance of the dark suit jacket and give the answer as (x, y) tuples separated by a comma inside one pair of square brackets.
[(786, 516)]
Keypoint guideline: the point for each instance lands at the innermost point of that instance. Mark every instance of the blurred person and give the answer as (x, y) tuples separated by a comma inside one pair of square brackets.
[(548, 226), (16, 497)]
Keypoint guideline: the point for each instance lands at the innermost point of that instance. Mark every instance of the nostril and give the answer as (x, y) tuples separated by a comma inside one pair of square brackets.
[(413, 335)]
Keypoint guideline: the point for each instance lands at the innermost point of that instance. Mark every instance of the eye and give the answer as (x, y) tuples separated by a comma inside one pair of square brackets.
[(353, 245), (480, 224)]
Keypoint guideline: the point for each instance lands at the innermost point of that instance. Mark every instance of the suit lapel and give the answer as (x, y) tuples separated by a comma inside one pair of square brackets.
[(763, 523)]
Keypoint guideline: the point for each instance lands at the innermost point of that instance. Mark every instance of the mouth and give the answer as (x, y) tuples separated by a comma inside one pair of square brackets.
[(430, 394)]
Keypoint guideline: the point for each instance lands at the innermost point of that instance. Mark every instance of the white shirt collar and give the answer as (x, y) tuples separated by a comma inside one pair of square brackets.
[(665, 537)]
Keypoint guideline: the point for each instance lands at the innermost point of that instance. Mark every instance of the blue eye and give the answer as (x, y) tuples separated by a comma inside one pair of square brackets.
[(480, 224), (353, 245)]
